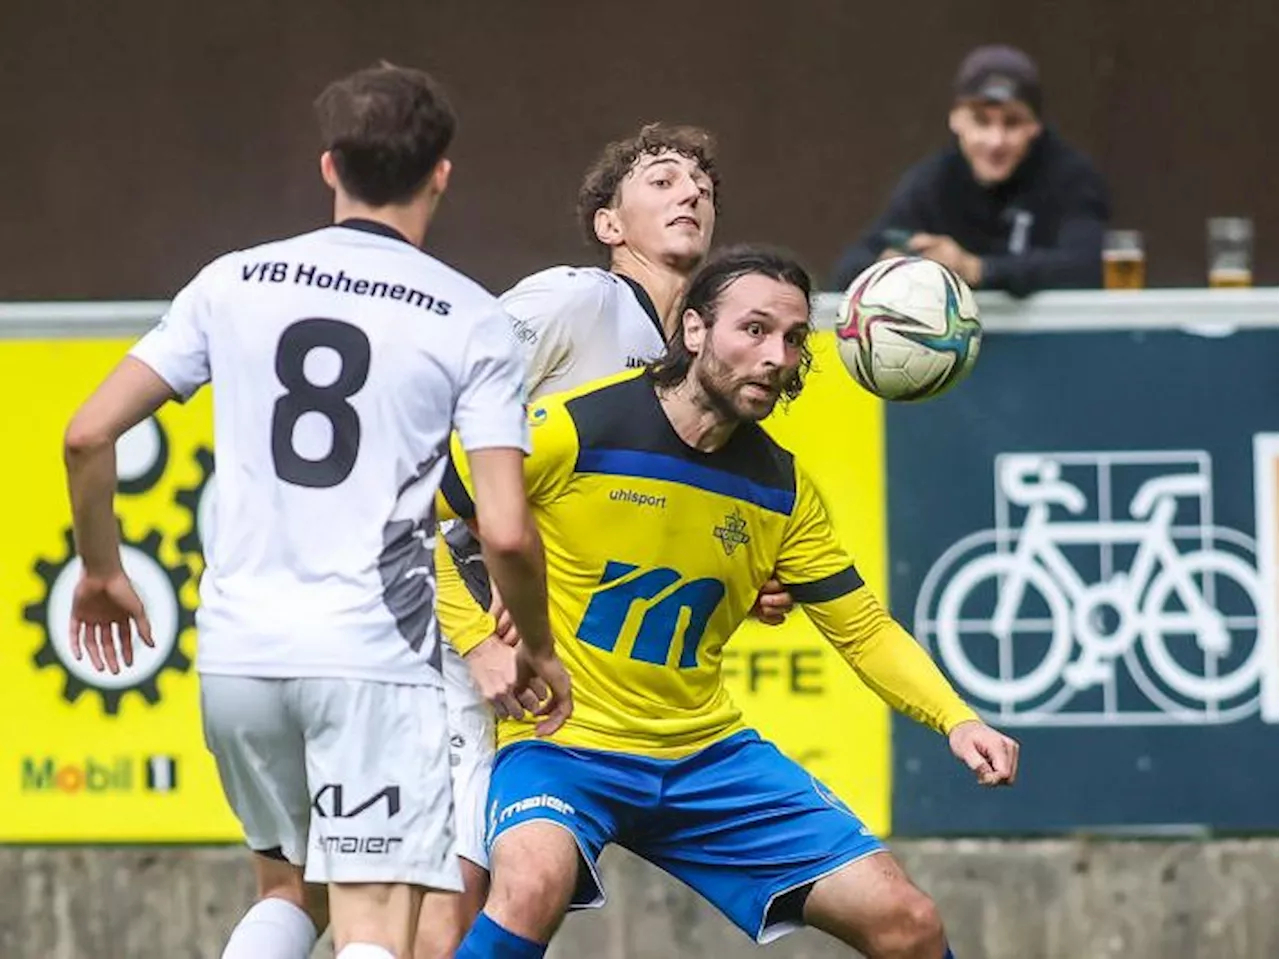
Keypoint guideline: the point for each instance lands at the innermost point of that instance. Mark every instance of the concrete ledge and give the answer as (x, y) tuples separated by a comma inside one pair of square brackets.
[(1043, 899)]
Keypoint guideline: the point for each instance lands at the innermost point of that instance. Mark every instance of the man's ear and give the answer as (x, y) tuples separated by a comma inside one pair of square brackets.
[(329, 172), (694, 329), (608, 226), (440, 176)]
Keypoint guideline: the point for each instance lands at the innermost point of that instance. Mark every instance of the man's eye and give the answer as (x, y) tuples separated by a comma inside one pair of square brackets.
[(755, 329)]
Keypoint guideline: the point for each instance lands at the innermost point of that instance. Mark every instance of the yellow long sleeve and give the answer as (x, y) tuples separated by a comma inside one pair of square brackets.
[(462, 621), (889, 660)]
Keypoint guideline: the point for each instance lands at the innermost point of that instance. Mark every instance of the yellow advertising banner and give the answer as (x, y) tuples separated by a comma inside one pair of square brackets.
[(88, 757), (91, 757)]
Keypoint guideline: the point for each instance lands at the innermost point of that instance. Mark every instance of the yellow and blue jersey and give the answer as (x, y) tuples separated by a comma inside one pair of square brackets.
[(656, 552)]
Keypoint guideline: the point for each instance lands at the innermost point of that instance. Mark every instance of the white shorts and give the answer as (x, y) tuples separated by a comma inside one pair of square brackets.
[(348, 778), (471, 750)]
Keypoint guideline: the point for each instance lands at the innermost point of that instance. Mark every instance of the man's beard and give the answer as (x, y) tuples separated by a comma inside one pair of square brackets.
[(720, 389)]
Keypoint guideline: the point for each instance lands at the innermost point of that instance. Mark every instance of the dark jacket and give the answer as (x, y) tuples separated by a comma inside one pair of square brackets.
[(1039, 230)]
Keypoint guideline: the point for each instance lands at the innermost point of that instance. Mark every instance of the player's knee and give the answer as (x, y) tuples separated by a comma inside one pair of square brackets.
[(911, 929), (530, 894), (529, 900)]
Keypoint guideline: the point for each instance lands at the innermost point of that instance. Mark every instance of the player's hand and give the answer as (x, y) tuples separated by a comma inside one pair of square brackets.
[(105, 611), (944, 250), (773, 603), (990, 754), (495, 670), (504, 626), (546, 670)]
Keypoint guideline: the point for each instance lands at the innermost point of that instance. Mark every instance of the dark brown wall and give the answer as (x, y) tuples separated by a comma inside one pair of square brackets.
[(143, 138)]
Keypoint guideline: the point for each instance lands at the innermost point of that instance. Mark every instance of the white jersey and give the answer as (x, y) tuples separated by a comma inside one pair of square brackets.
[(340, 361), (576, 324)]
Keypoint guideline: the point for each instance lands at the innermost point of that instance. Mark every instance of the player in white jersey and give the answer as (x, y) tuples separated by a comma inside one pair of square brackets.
[(649, 203), (342, 359)]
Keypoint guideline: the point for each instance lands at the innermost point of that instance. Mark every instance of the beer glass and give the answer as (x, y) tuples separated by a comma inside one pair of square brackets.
[(1124, 264), (1230, 251)]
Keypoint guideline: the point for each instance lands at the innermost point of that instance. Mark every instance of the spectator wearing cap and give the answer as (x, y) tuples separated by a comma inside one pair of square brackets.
[(1009, 205)]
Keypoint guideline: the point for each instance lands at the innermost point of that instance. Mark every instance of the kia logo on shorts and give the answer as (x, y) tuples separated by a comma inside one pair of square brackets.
[(328, 802)]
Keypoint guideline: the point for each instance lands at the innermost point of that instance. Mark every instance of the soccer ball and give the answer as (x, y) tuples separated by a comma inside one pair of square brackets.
[(907, 329)]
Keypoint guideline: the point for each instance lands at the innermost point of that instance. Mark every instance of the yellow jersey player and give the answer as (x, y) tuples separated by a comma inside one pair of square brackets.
[(648, 204), (664, 506)]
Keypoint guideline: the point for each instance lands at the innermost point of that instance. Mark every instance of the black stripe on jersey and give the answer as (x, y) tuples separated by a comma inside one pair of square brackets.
[(828, 588), (626, 415), (455, 493), (646, 304)]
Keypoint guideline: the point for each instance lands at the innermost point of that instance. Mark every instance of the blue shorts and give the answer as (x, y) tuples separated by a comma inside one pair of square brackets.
[(738, 822)]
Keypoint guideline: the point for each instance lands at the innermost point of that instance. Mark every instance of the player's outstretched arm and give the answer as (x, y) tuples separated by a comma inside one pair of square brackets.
[(896, 667), (105, 607), (887, 658), (824, 580), (514, 557)]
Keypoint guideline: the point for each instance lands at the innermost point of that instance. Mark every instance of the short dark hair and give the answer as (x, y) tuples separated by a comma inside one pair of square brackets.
[(703, 296), (386, 128), (600, 184)]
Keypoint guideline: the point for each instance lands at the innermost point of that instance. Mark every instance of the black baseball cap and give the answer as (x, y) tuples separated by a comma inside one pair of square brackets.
[(999, 74)]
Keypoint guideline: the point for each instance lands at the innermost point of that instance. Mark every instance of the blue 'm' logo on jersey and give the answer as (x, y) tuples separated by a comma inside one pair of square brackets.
[(665, 597)]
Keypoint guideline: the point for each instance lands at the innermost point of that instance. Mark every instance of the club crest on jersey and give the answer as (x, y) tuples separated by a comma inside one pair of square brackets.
[(537, 416), (733, 533)]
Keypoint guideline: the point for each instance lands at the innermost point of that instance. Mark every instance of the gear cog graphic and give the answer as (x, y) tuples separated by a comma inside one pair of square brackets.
[(141, 456), (157, 584), (200, 501)]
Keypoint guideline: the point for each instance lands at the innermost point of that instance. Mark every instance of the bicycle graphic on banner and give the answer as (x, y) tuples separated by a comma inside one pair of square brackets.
[(1104, 594)]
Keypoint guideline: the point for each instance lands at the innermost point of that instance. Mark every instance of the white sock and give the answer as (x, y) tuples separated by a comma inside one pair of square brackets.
[(272, 929), (363, 950)]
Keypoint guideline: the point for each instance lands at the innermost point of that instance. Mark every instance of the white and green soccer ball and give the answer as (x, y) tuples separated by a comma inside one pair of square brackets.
[(907, 329)]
